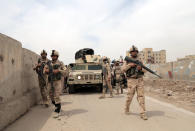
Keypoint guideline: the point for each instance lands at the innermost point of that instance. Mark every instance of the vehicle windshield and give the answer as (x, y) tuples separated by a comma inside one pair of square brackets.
[(79, 67), (94, 67)]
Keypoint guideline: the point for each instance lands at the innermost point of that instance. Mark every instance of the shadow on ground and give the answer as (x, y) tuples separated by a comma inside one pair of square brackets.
[(155, 113), (65, 103), (118, 96), (73, 112), (86, 91), (151, 114)]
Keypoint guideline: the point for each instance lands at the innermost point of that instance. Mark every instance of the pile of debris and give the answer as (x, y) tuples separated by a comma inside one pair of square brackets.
[(180, 92)]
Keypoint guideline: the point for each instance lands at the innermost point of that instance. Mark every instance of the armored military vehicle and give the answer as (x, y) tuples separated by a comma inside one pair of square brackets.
[(86, 71)]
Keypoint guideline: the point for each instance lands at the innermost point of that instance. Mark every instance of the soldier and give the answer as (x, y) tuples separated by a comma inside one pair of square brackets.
[(42, 78), (55, 70), (113, 82), (124, 78), (135, 83), (118, 76), (106, 78), (64, 90)]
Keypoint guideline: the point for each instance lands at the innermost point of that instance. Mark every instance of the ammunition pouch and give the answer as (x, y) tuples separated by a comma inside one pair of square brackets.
[(57, 76), (133, 72)]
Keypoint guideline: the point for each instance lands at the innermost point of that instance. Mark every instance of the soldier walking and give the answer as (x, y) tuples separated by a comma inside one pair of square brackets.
[(135, 83), (118, 76), (42, 78), (106, 78), (55, 70)]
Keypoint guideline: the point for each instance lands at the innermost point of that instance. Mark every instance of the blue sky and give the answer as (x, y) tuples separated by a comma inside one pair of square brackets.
[(110, 27)]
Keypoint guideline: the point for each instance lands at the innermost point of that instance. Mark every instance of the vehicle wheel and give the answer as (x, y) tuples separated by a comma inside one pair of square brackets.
[(99, 89), (71, 89)]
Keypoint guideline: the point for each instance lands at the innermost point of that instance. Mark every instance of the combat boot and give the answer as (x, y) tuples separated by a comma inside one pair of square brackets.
[(127, 111), (121, 90), (46, 105), (56, 115), (143, 116), (117, 92), (103, 93), (102, 97), (111, 95)]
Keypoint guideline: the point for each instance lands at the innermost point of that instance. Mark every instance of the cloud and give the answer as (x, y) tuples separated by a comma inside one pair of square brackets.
[(109, 27), (158, 24)]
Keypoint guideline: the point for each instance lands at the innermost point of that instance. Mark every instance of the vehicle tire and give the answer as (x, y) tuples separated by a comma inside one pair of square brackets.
[(71, 89), (99, 89)]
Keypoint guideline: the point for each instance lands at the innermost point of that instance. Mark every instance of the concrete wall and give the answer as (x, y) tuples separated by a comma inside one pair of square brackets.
[(18, 82), (180, 70)]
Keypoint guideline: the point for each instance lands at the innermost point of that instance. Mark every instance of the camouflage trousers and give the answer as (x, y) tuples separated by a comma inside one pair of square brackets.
[(55, 91), (43, 91), (135, 85), (106, 82), (119, 86)]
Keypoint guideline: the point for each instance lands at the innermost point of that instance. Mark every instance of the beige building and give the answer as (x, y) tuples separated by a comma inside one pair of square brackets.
[(188, 57), (147, 55)]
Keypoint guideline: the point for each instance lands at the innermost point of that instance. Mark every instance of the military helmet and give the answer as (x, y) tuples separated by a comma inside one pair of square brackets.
[(113, 61), (133, 48), (54, 53), (104, 58), (43, 52), (117, 61)]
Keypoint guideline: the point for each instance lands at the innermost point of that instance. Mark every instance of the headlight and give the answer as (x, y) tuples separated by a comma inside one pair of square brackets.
[(79, 77), (97, 77)]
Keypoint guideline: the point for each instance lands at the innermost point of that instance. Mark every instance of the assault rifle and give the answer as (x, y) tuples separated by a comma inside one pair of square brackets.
[(137, 62), (50, 74), (39, 70)]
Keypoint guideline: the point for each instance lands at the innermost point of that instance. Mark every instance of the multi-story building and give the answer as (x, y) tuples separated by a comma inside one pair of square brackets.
[(188, 57), (147, 55)]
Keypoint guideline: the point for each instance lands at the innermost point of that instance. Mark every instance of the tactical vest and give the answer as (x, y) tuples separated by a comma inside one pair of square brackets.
[(134, 73), (55, 77), (118, 74)]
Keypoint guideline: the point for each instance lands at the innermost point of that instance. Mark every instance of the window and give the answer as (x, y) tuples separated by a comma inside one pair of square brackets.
[(79, 67), (94, 67)]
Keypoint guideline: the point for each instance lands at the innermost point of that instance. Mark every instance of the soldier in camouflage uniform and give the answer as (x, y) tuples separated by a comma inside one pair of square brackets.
[(106, 78), (118, 77), (42, 78), (135, 83), (55, 70)]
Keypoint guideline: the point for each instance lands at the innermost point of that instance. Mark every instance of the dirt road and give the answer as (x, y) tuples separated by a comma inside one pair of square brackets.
[(85, 112)]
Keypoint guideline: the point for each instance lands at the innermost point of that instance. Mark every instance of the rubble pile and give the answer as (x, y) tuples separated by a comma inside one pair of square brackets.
[(179, 92)]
